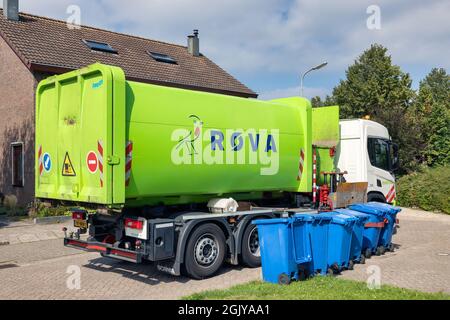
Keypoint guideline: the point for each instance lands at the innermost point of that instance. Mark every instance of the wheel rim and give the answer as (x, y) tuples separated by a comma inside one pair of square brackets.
[(206, 250), (253, 243)]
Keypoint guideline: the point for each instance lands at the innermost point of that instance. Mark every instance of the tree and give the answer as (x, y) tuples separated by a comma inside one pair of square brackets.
[(433, 109), (438, 81), (376, 88), (317, 101), (437, 151)]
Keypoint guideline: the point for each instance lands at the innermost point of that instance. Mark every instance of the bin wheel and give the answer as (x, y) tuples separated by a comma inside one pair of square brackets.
[(303, 273), (330, 272), (250, 251), (284, 279), (368, 253), (205, 251), (306, 273), (378, 252), (351, 264), (362, 259), (391, 247)]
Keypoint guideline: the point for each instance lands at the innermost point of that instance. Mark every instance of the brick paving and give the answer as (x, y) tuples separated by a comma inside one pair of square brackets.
[(38, 269), (422, 258), (26, 231)]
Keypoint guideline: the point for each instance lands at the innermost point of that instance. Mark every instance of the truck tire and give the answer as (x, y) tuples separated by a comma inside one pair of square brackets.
[(251, 256), (376, 197), (205, 251)]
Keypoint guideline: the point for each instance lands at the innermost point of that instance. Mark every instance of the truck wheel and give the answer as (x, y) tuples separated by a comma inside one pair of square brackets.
[(205, 251), (376, 197), (251, 255)]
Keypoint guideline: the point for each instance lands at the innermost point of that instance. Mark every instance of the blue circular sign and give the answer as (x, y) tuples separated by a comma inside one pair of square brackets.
[(47, 162)]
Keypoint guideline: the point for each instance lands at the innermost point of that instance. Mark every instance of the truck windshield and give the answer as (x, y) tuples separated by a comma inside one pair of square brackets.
[(378, 153)]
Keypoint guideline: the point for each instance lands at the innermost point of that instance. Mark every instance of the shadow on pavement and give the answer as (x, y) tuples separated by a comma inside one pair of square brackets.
[(3, 222), (145, 272)]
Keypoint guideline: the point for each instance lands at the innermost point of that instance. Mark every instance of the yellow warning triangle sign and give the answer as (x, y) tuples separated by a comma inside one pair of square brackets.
[(67, 169)]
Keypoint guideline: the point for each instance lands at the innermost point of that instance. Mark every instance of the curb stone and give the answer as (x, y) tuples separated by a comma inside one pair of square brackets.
[(51, 220)]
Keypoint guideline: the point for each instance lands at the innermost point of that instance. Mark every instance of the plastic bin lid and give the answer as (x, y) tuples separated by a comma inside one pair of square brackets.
[(321, 217), (384, 206), (303, 217), (353, 213), (363, 207), (272, 221), (339, 218)]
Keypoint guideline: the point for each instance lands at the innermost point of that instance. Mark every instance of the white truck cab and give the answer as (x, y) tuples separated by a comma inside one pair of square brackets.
[(367, 153)]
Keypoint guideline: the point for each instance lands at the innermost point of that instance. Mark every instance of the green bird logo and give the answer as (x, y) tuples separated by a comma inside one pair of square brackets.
[(193, 135)]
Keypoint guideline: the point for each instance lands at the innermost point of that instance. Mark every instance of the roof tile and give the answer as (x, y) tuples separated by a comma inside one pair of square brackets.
[(44, 41)]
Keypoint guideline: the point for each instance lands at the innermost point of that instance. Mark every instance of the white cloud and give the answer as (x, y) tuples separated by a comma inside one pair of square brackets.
[(284, 37)]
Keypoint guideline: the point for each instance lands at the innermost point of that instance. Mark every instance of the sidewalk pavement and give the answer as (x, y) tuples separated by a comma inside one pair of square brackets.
[(26, 231)]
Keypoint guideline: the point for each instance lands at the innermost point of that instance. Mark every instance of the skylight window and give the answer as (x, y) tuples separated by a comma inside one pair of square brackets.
[(99, 46), (162, 57)]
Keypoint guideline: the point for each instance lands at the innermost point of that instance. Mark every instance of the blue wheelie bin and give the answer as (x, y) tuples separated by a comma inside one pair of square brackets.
[(374, 226), (302, 245), (385, 240), (280, 262), (340, 232), (318, 235), (356, 247)]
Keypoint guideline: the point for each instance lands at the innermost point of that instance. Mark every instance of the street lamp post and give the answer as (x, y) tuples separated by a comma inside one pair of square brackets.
[(320, 66)]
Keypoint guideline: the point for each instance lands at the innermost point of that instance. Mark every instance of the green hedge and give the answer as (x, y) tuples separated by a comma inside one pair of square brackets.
[(428, 189)]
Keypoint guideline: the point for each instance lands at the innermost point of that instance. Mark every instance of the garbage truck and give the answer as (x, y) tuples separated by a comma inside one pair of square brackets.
[(176, 176)]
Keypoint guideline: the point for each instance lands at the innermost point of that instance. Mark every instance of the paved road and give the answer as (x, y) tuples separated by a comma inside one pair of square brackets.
[(38, 270), (26, 231), (422, 258)]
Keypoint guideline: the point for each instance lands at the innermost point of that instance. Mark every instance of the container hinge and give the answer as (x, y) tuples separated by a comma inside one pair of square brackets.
[(113, 160)]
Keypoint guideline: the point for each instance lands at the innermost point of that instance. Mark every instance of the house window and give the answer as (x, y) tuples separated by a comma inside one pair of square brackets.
[(99, 46), (162, 57), (17, 164)]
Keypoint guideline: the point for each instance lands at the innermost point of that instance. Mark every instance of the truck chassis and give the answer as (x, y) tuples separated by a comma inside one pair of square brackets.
[(192, 243)]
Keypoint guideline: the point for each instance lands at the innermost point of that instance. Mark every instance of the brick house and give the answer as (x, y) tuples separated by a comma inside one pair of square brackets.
[(33, 47)]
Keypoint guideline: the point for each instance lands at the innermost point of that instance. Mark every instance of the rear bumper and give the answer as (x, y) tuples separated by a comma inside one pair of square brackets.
[(106, 249)]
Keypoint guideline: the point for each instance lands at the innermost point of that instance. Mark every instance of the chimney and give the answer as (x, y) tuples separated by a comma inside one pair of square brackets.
[(11, 9), (194, 44)]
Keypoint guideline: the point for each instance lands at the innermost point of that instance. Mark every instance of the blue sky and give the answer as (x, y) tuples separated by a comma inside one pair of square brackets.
[(268, 44)]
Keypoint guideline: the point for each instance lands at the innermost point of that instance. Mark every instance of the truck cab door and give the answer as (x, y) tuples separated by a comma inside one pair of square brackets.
[(379, 175)]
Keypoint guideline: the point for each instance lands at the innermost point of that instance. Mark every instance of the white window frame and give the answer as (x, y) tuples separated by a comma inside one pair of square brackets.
[(15, 144)]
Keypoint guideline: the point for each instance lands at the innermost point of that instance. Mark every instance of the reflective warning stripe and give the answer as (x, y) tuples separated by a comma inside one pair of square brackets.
[(100, 160), (129, 154), (41, 165), (300, 164), (391, 194)]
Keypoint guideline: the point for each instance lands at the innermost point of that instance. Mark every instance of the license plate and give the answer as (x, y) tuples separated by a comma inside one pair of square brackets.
[(80, 224)]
